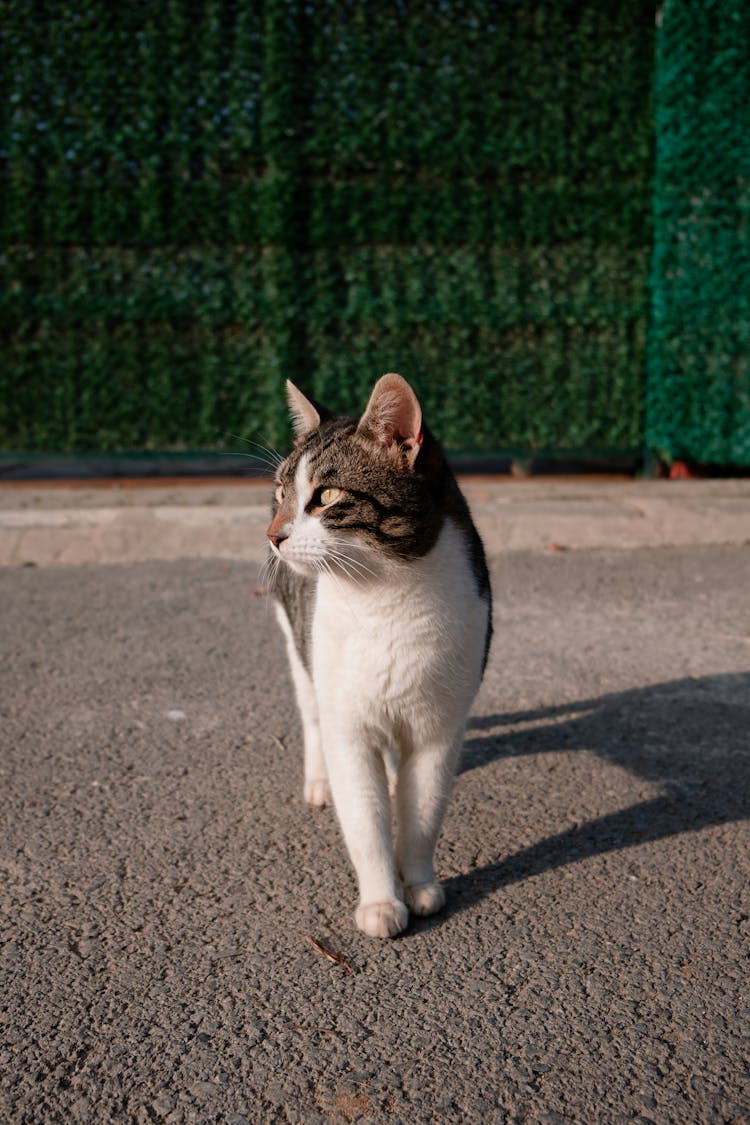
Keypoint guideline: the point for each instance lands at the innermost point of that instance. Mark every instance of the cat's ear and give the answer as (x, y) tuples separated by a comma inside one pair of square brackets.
[(305, 415), (394, 417)]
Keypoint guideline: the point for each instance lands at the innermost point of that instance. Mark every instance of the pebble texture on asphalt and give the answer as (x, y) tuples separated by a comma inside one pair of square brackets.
[(161, 879)]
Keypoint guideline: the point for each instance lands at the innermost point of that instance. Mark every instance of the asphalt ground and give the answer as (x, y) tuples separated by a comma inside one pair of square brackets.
[(167, 900)]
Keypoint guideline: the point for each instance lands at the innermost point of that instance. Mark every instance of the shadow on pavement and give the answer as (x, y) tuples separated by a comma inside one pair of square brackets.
[(690, 736)]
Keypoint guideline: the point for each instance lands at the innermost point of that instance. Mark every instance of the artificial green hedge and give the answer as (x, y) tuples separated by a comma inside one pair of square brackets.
[(698, 390), (201, 199)]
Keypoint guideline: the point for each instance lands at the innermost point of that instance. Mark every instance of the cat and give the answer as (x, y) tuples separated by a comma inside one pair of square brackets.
[(382, 592)]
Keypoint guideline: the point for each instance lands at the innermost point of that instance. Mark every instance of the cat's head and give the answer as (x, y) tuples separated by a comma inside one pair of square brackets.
[(355, 493)]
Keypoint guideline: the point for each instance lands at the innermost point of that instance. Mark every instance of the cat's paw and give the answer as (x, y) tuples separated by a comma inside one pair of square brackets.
[(382, 919), (317, 792), (425, 898)]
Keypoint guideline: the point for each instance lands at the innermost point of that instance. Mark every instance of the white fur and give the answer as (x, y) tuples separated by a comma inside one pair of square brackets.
[(304, 415), (316, 779), (397, 659)]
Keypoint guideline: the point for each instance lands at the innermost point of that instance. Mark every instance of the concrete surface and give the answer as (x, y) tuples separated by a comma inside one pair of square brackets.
[(120, 523), (165, 895)]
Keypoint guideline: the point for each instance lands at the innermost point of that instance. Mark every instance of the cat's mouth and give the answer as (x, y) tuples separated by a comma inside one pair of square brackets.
[(312, 560), (306, 567)]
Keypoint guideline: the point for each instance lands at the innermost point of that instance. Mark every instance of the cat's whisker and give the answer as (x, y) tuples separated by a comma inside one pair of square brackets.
[(338, 544), (344, 550), (357, 574), (272, 453), (273, 457), (327, 569), (268, 570), (337, 555), (347, 570), (353, 565), (268, 469)]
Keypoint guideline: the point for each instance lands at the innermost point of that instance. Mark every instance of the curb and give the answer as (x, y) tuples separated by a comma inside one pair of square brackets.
[(75, 526)]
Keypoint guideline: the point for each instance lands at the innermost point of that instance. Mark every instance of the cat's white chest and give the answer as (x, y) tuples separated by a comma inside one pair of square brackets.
[(407, 649)]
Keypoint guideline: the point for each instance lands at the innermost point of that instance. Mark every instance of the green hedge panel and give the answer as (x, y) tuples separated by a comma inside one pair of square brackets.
[(202, 199), (698, 393)]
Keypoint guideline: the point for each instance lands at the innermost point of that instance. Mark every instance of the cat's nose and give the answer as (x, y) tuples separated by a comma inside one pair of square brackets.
[(277, 540)]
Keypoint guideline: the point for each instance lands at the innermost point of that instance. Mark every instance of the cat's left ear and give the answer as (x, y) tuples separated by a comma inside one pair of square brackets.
[(394, 417), (305, 414)]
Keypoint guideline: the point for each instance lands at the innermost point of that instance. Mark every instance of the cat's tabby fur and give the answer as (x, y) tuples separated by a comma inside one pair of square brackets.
[(383, 595)]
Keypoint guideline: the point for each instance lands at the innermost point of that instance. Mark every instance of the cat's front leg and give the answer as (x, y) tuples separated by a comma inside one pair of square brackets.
[(316, 789), (424, 784), (360, 795)]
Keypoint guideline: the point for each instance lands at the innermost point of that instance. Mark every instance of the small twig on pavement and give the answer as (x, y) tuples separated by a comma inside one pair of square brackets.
[(334, 958)]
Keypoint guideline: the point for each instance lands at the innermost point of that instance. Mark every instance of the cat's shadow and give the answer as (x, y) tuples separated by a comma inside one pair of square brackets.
[(689, 737)]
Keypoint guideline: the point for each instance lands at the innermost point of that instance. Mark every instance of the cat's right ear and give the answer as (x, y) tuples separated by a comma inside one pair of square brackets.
[(393, 418), (305, 415)]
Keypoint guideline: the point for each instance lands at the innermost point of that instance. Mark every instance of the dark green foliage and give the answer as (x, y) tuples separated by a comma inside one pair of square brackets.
[(203, 198), (698, 394)]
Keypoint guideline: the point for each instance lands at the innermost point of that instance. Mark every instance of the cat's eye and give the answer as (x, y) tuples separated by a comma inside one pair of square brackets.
[(280, 493), (329, 496)]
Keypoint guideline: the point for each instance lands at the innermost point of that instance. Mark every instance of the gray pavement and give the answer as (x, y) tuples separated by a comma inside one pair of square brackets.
[(165, 895)]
